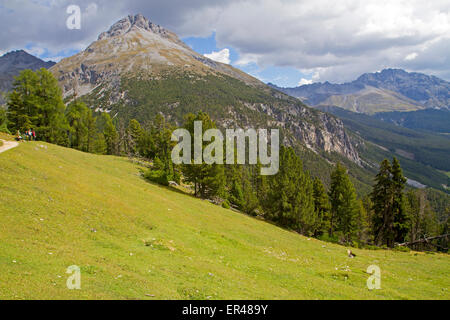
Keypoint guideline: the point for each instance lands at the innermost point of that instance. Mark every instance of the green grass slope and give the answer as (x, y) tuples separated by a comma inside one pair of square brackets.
[(135, 240)]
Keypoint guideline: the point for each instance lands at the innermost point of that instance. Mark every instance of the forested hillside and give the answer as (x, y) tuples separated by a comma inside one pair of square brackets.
[(423, 154)]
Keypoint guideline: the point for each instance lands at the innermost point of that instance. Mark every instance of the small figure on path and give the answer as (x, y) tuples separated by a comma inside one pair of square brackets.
[(19, 136)]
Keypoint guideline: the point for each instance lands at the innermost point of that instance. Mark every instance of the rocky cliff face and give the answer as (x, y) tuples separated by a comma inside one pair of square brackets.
[(316, 131), (321, 132), (15, 61), (136, 51)]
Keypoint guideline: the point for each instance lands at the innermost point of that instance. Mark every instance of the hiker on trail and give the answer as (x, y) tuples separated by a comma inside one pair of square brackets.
[(33, 133), (18, 136), (30, 135)]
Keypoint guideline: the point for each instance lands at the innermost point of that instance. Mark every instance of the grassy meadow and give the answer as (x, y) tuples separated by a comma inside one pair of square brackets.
[(135, 240)]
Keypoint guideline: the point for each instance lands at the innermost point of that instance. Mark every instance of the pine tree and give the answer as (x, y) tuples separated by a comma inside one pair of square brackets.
[(390, 220), (36, 103), (382, 198), (162, 133), (234, 180), (443, 243), (321, 208), (281, 198), (208, 180), (261, 187), (162, 172), (110, 134), (250, 198), (51, 124), (344, 205), (423, 222), (22, 101), (77, 116), (91, 127), (146, 145), (365, 220), (134, 137), (363, 224), (401, 219), (290, 198), (99, 144)]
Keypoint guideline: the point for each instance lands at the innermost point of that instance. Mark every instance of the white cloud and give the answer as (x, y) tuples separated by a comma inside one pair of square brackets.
[(36, 51), (337, 40), (411, 56), (304, 81), (54, 59), (220, 56), (246, 59)]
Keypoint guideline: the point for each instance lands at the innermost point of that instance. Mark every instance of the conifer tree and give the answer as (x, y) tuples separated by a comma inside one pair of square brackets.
[(290, 199), (134, 137), (36, 102), (390, 220), (77, 116), (22, 101), (91, 127), (99, 144), (110, 134), (363, 224), (382, 198), (423, 222), (401, 219), (208, 179), (321, 208), (250, 198), (344, 205), (234, 181)]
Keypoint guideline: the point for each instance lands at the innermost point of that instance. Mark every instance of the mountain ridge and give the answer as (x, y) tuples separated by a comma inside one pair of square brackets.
[(13, 62), (412, 91)]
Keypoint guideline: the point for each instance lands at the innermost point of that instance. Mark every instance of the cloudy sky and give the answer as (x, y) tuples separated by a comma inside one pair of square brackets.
[(287, 42)]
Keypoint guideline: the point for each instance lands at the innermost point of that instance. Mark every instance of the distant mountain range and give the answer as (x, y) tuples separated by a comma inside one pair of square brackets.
[(386, 91), (15, 61)]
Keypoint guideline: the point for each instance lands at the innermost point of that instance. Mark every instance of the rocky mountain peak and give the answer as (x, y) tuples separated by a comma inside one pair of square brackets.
[(13, 61), (385, 75), (131, 23), (21, 60), (15, 53)]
